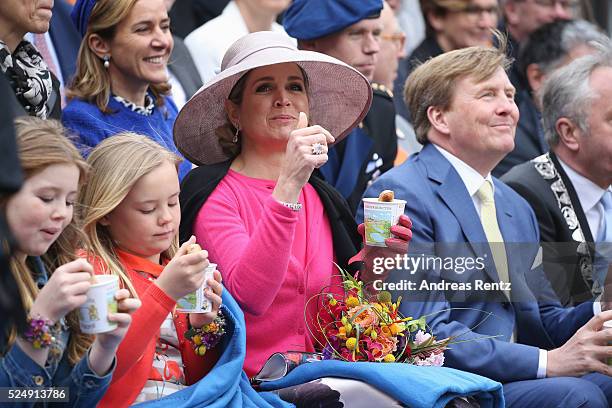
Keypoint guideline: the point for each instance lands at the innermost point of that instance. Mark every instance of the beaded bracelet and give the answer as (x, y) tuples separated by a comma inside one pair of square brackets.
[(207, 336), (41, 332)]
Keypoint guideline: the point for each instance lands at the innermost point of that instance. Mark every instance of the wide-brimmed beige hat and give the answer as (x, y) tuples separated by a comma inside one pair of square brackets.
[(339, 95)]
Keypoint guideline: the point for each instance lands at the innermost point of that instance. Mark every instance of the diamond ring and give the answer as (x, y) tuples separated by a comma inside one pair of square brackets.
[(317, 148)]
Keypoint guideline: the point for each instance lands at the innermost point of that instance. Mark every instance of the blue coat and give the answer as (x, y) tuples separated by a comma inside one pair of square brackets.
[(443, 212), (92, 126)]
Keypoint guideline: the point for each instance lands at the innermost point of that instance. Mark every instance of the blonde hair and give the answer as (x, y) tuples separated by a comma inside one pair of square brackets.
[(433, 82), (92, 81), (117, 164), (43, 143)]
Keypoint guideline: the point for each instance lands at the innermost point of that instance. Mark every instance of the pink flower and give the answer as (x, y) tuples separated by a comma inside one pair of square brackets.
[(421, 337), (435, 359)]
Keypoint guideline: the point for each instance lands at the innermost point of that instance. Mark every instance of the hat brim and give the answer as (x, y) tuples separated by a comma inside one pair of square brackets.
[(339, 98)]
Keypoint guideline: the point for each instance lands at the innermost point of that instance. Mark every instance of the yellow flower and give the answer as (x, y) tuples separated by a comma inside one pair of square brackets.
[(197, 339), (352, 301), (200, 351), (333, 302), (373, 335), (351, 343), (389, 358), (395, 329), (210, 327)]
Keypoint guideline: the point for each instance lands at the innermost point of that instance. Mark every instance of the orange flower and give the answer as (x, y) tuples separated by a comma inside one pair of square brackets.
[(366, 318), (389, 344)]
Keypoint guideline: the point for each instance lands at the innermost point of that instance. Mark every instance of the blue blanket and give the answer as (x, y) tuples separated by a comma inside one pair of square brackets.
[(412, 385), (228, 386)]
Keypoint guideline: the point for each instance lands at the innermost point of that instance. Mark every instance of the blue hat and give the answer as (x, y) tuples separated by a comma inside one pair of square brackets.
[(311, 19), (80, 14)]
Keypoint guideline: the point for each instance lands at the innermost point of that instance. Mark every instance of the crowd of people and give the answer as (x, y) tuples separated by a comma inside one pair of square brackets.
[(133, 131)]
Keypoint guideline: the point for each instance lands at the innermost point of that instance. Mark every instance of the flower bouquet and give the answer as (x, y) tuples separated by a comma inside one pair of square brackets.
[(357, 327)]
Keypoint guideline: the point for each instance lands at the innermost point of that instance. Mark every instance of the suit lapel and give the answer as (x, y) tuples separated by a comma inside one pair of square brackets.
[(582, 220), (453, 193)]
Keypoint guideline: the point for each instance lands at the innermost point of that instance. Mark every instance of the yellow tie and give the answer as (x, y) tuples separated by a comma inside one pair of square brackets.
[(488, 217)]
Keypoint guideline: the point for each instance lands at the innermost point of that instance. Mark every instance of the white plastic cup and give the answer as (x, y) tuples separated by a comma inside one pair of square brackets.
[(378, 217), (196, 302), (93, 314)]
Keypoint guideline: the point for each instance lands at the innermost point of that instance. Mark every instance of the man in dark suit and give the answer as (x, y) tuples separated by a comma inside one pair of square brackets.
[(566, 186), (449, 25), (548, 48), (512, 329), (187, 15), (523, 17)]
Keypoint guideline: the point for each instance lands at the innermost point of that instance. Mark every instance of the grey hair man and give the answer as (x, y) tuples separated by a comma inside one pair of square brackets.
[(548, 48), (568, 187)]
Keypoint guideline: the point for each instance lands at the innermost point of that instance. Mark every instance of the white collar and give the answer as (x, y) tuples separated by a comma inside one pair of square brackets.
[(470, 177), (588, 192), (232, 13)]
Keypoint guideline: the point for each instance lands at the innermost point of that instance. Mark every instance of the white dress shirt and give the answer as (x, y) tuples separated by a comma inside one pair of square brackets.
[(589, 194)]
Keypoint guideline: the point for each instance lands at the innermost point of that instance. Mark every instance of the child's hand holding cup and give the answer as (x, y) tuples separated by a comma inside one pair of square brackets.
[(196, 302), (101, 301)]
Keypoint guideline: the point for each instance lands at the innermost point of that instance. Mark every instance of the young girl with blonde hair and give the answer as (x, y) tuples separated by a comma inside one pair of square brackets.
[(52, 351), (131, 217)]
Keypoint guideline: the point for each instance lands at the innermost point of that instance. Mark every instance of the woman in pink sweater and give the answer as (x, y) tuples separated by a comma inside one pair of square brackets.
[(256, 203)]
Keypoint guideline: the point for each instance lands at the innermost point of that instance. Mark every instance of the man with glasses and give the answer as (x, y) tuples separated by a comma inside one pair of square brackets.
[(392, 49), (450, 25), (350, 31), (521, 18)]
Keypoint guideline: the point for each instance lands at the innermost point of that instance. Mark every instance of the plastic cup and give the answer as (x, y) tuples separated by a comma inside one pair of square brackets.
[(379, 216), (196, 302), (93, 314)]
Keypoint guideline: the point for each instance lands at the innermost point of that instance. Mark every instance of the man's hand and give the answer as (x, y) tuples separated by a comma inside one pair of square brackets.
[(606, 296), (585, 352)]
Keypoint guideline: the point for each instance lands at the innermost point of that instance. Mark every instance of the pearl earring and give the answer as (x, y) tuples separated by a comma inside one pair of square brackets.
[(106, 59)]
